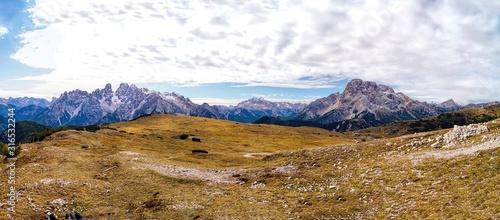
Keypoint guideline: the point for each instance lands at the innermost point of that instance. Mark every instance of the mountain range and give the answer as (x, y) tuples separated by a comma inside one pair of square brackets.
[(128, 102), (362, 104), (365, 104), (26, 101)]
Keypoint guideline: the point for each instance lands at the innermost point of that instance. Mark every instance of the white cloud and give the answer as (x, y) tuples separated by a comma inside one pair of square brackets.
[(3, 31), (216, 101), (436, 49)]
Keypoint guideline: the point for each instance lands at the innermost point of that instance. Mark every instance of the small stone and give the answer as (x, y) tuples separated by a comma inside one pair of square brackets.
[(436, 145)]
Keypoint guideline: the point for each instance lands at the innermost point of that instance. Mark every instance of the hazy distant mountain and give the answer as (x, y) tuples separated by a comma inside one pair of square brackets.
[(25, 101), (481, 104), (252, 109), (276, 107), (3, 125), (447, 106), (4, 109), (29, 112)]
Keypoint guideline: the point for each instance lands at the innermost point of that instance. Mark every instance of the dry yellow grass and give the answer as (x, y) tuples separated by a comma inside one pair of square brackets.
[(113, 180), (310, 174)]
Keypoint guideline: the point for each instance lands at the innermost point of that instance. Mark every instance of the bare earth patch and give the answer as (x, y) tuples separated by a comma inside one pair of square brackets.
[(256, 154), (212, 176)]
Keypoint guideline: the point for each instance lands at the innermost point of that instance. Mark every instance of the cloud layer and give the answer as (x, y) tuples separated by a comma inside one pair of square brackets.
[(430, 50), (3, 31)]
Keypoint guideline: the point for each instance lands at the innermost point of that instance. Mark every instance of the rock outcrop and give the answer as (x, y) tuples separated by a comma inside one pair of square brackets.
[(459, 133)]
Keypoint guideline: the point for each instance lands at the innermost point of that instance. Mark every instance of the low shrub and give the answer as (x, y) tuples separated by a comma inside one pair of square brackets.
[(199, 151)]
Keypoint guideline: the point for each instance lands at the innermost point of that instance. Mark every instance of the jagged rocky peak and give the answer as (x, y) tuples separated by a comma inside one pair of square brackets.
[(449, 103), (369, 101), (360, 86), (73, 94), (129, 90), (106, 92), (108, 89), (123, 87)]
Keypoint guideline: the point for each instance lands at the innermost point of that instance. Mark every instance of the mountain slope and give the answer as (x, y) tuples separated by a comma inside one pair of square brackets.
[(29, 112), (318, 107), (365, 104)]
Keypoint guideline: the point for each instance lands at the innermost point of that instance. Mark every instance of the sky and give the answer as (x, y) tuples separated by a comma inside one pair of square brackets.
[(225, 51)]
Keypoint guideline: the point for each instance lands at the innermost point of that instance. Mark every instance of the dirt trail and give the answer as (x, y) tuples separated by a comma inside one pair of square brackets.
[(212, 176), (256, 154)]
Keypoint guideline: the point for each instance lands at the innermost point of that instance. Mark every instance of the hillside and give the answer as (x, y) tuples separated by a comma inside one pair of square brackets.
[(362, 104), (145, 170), (442, 121)]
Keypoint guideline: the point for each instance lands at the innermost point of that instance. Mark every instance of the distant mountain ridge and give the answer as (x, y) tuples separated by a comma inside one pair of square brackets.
[(128, 101), (362, 104), (26, 101), (365, 104), (252, 109)]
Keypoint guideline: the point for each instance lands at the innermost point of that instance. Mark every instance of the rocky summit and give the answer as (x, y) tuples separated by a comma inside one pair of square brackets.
[(370, 104)]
